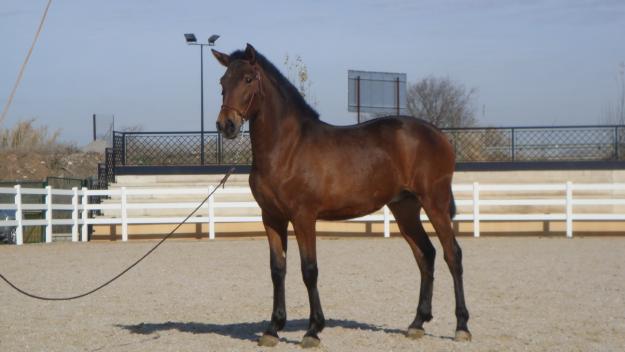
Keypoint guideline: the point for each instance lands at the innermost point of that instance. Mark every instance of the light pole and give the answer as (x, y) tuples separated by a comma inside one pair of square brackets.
[(192, 40)]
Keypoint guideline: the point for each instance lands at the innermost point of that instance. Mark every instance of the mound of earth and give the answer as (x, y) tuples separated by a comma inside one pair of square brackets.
[(37, 165)]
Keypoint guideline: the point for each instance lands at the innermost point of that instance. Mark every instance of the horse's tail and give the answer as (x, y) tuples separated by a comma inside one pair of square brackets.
[(452, 206)]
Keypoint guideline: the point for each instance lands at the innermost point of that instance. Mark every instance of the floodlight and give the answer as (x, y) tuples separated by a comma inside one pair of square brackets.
[(212, 39), (190, 38)]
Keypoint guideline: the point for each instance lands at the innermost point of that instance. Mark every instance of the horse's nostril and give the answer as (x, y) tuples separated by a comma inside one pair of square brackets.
[(230, 126), (217, 125)]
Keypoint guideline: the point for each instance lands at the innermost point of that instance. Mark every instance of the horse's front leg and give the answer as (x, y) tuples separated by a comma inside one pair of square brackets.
[(277, 236), (306, 240)]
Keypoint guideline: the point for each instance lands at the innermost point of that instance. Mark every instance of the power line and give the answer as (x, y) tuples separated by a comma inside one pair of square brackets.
[(21, 73)]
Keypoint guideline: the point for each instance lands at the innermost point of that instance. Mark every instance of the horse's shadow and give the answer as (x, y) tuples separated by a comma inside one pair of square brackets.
[(247, 331)]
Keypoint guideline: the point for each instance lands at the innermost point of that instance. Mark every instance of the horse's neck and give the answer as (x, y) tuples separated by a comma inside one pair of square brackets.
[(274, 134)]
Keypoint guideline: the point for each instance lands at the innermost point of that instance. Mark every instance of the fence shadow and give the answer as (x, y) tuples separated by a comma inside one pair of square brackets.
[(249, 331)]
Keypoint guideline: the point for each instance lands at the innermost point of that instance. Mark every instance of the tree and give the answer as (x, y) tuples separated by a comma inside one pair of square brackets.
[(297, 73), (442, 102), (614, 113), (621, 102), (620, 105)]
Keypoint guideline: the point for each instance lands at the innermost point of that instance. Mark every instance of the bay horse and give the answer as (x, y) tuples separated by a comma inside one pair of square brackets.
[(304, 169)]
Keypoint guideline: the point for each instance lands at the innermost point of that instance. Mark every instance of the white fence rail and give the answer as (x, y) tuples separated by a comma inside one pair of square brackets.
[(467, 195)]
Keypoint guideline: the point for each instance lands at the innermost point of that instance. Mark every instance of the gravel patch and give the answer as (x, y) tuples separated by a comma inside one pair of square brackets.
[(523, 293)]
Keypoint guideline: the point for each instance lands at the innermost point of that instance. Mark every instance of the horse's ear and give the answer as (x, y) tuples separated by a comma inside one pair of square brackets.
[(250, 54), (223, 59)]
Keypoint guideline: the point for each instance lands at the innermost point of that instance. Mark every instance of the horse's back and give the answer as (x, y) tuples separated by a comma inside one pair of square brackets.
[(384, 127), (397, 135), (400, 151)]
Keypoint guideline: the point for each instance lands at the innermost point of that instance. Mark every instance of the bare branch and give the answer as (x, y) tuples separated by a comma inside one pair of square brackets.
[(297, 73), (442, 102)]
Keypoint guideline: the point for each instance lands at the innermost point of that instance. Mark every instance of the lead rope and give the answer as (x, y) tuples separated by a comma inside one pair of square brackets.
[(221, 183)]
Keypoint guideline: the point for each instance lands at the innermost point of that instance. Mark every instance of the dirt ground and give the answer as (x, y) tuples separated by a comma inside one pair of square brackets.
[(524, 294)]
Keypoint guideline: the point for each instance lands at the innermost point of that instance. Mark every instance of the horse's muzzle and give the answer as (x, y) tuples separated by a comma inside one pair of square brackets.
[(228, 128)]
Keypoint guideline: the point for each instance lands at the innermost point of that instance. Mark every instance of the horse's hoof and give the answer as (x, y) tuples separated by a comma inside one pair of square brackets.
[(309, 342), (462, 336), (268, 340), (414, 333)]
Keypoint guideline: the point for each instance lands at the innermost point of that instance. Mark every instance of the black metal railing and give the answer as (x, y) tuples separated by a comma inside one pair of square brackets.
[(180, 149), (538, 144), (476, 146), (511, 144)]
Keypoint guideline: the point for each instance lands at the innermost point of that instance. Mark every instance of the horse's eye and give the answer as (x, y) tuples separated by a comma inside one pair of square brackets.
[(248, 79)]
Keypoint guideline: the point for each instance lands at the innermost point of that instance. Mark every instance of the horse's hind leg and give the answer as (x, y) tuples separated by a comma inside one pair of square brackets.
[(304, 227), (277, 236), (406, 213), (436, 205)]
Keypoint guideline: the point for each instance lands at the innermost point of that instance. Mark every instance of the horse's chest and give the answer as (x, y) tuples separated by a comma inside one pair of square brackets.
[(266, 194)]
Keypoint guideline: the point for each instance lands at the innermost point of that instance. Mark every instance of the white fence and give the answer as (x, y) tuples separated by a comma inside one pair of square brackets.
[(80, 207)]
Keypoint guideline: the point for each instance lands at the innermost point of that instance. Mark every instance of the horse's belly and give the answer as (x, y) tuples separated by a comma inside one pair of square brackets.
[(360, 196), (343, 215), (350, 210)]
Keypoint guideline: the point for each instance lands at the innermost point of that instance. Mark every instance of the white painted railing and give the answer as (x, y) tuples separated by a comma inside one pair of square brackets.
[(467, 195)]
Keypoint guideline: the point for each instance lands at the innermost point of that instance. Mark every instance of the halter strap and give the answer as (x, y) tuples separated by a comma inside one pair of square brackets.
[(249, 104)]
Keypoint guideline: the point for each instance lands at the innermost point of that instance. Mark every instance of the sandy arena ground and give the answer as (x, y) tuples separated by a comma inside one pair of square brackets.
[(524, 294)]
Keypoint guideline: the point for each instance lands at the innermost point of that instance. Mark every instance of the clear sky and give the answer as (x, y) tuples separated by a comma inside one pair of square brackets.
[(533, 62)]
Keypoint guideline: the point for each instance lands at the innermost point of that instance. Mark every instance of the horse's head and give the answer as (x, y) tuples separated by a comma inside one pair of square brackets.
[(241, 91)]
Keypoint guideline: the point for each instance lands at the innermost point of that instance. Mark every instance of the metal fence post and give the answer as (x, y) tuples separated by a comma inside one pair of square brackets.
[(211, 214), (19, 230), (476, 209), (124, 215), (220, 149), (451, 135), (123, 148), (616, 156), (512, 143), (569, 209), (48, 214), (387, 222), (75, 214), (85, 215)]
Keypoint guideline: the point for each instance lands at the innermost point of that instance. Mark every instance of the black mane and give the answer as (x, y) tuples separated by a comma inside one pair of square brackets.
[(286, 88)]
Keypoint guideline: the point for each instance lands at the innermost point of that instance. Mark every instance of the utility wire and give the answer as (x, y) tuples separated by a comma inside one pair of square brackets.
[(5, 110)]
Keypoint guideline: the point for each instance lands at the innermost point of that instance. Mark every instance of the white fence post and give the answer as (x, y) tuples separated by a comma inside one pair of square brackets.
[(124, 215), (569, 209), (19, 230), (75, 214), (476, 209), (85, 215), (48, 214), (211, 214), (387, 222)]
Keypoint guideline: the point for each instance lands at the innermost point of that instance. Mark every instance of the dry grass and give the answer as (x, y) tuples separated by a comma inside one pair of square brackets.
[(29, 151), (25, 136)]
